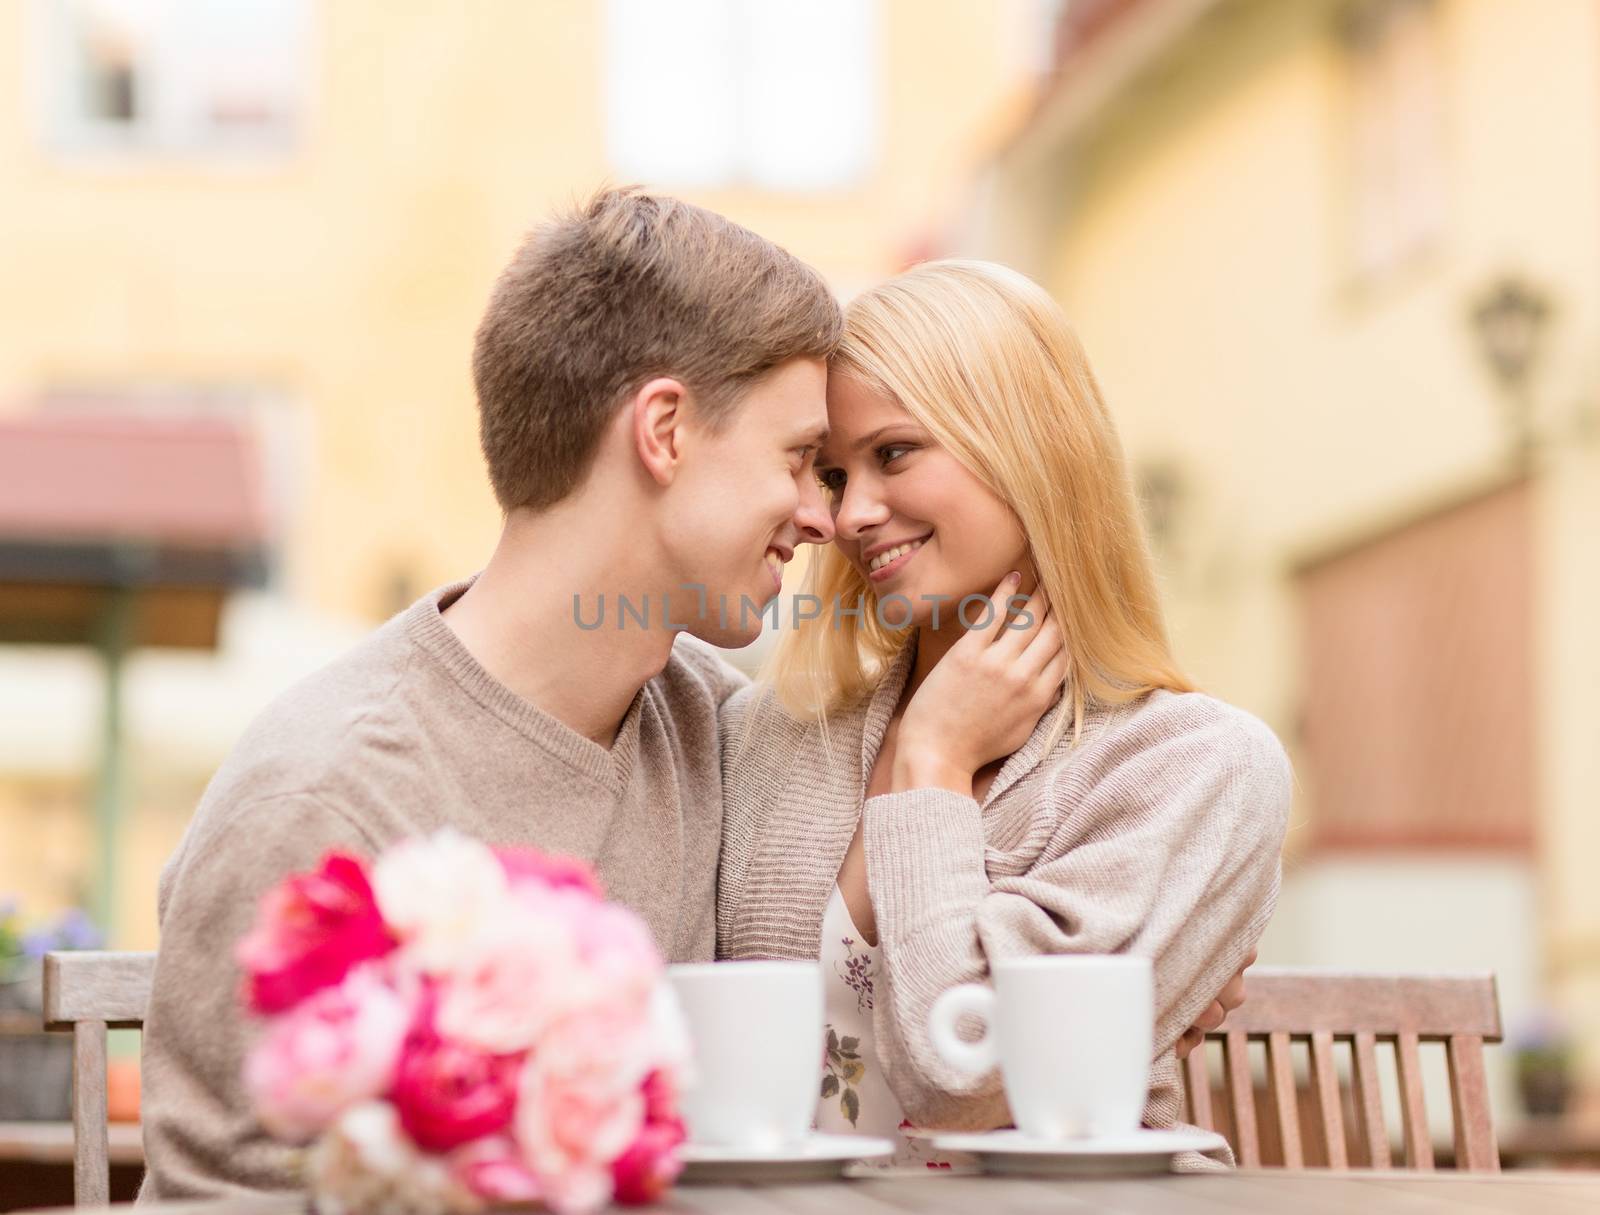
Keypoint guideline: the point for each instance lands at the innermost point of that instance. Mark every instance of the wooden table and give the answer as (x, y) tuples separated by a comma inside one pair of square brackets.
[(51, 1142), (1256, 1193)]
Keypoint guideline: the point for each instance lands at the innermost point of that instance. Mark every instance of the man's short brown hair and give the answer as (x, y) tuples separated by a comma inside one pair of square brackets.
[(599, 301)]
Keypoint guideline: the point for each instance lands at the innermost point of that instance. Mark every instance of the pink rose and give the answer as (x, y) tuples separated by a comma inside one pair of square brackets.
[(556, 872), (493, 1170), (448, 1092), (310, 930), (332, 1051), (647, 1169)]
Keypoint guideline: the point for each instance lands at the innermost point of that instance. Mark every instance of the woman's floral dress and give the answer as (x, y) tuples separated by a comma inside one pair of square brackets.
[(854, 1098)]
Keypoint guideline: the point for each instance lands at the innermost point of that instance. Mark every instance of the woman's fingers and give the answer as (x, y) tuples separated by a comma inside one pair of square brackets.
[(1055, 671), (1211, 1019), (1043, 643), (1019, 633), (994, 625)]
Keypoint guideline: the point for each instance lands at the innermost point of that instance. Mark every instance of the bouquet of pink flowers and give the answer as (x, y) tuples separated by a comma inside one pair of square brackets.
[(458, 1026)]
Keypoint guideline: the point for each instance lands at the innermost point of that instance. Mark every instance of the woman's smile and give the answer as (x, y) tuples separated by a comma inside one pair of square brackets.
[(885, 561)]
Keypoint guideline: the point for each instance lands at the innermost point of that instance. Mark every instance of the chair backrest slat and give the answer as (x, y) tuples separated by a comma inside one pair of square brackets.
[(1474, 1138), (1413, 1107), (1324, 1008), (1369, 1099), (1325, 1081), (1280, 1069), (91, 1138), (1197, 1084), (1241, 1097), (89, 992)]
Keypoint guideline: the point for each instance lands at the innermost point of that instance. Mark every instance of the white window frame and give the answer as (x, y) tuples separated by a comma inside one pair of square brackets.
[(173, 124), (778, 95)]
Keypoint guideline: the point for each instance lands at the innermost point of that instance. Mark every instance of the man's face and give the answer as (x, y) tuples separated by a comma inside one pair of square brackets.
[(745, 499)]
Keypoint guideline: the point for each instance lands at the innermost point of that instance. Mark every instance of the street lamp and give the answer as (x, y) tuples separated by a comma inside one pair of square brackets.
[(1509, 319)]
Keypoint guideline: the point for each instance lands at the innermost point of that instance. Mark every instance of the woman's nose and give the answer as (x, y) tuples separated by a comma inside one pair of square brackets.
[(859, 509)]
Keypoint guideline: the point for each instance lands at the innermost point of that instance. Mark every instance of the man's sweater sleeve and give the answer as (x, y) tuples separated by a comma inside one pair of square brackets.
[(200, 1137)]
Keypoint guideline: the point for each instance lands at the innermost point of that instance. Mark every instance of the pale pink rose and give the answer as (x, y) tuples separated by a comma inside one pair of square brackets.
[(514, 977), (437, 893), (330, 1052), (550, 871), (605, 1045), (617, 947), (571, 1123), (493, 1169)]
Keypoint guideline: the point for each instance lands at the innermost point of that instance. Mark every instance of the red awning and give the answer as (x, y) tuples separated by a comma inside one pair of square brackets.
[(180, 482), (97, 506)]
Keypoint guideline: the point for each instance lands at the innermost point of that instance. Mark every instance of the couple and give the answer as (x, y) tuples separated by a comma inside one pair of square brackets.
[(669, 406)]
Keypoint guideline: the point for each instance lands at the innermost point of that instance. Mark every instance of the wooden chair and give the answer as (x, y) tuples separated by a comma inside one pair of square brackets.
[(90, 992), (1320, 1008)]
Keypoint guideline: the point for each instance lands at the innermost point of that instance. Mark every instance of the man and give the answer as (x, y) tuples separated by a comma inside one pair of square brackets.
[(650, 381)]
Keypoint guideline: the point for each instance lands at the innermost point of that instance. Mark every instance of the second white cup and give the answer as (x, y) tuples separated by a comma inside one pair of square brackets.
[(757, 1034), (1072, 1036)]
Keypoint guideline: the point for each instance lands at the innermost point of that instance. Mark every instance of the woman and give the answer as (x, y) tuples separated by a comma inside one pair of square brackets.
[(901, 798)]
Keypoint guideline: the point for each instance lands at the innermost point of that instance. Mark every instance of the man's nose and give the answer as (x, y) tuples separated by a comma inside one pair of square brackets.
[(812, 516)]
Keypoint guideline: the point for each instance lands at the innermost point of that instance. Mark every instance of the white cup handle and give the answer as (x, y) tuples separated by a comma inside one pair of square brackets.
[(975, 1057)]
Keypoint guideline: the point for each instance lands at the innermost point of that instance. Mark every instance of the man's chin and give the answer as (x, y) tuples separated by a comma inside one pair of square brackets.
[(731, 620), (726, 637)]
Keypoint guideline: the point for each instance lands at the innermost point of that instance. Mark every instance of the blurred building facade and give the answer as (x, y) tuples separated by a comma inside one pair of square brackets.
[(1337, 266), (288, 214)]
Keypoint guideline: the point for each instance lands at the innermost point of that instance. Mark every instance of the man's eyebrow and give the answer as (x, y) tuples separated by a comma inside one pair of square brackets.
[(812, 438)]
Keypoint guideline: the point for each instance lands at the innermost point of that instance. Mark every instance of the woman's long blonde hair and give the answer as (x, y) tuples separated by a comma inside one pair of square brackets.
[(983, 359)]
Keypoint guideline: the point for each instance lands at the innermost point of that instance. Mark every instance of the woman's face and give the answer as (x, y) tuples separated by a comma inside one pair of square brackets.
[(907, 513)]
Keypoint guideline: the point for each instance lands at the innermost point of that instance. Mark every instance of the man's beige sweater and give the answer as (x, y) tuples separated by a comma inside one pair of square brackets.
[(1157, 834), (407, 734)]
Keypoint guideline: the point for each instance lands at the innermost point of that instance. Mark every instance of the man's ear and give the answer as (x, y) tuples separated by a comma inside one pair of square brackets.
[(659, 413)]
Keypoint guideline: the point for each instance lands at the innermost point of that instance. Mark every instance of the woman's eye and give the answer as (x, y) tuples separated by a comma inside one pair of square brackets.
[(893, 451), (831, 479)]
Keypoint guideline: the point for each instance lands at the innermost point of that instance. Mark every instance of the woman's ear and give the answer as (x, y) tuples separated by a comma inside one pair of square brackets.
[(659, 410)]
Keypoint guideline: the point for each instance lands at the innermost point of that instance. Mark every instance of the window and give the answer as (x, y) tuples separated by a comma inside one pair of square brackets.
[(172, 76), (1418, 705), (772, 93), (1396, 155)]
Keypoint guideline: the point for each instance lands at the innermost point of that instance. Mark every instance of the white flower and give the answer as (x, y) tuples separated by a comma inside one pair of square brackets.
[(437, 893), (366, 1165)]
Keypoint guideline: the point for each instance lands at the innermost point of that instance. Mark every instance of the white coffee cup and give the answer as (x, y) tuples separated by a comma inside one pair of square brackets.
[(1072, 1036), (757, 1034)]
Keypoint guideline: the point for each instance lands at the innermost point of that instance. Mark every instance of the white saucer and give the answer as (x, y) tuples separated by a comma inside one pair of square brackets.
[(816, 1157), (1140, 1151)]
